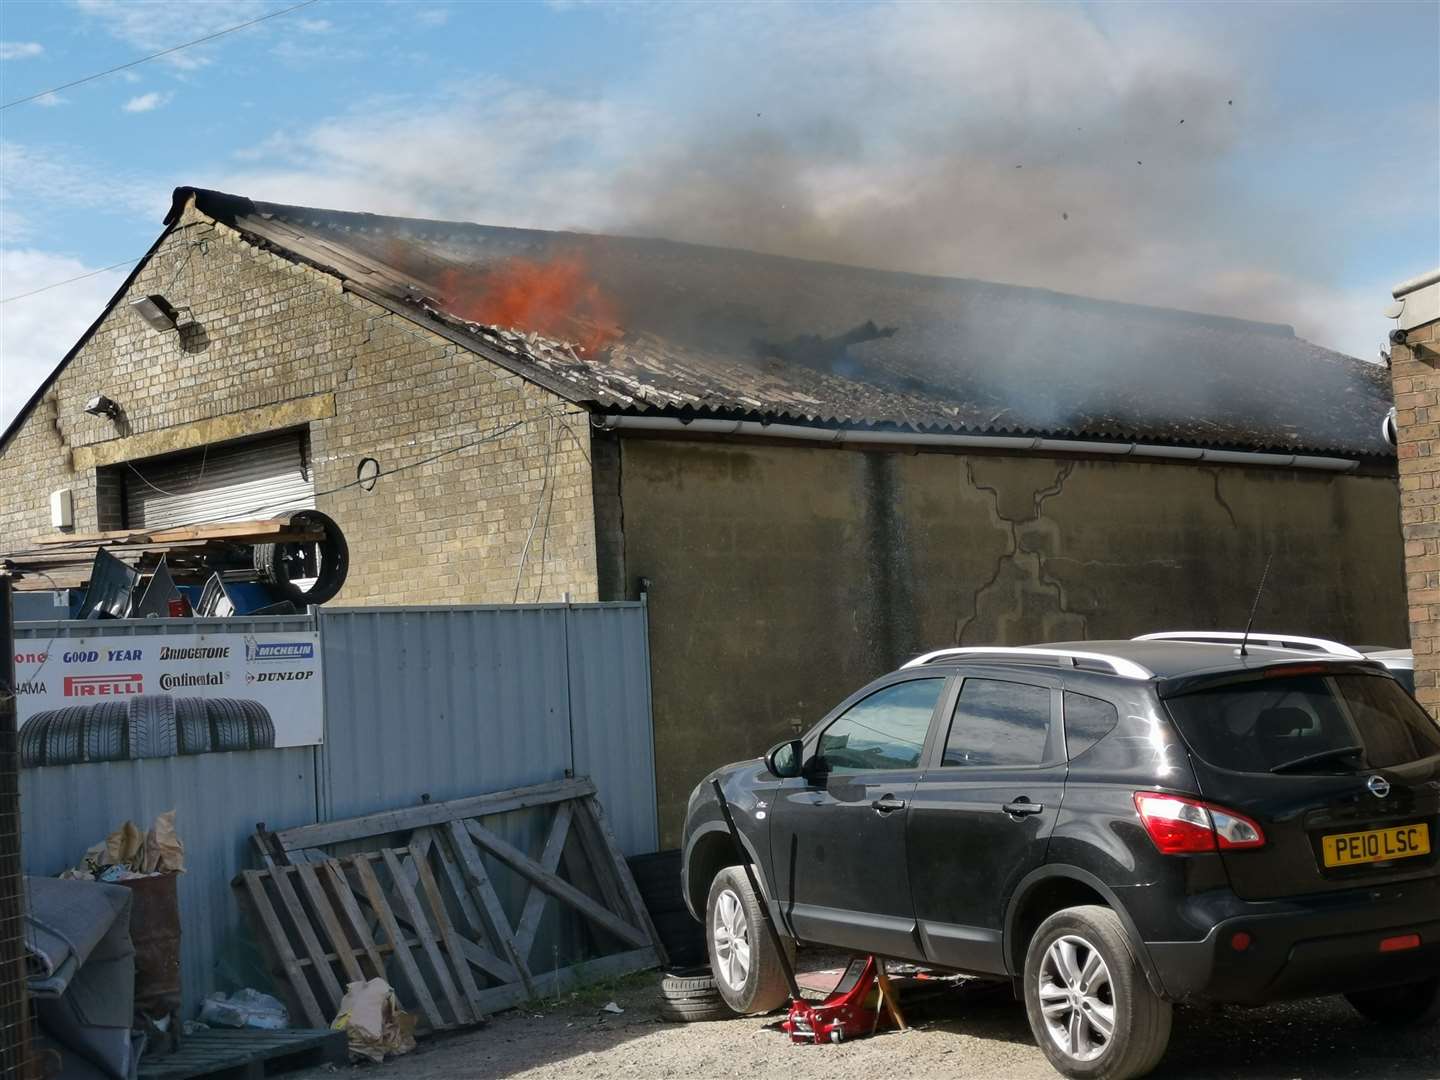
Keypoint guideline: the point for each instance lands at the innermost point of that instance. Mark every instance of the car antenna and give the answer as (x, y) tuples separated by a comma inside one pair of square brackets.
[(1256, 605)]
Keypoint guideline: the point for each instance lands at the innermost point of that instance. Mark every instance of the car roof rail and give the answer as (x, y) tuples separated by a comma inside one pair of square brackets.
[(1127, 669), (1283, 641)]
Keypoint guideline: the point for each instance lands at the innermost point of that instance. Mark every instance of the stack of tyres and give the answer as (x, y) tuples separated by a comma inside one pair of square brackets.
[(657, 877), (144, 726)]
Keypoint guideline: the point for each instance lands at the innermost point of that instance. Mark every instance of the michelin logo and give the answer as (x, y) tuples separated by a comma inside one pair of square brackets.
[(264, 651)]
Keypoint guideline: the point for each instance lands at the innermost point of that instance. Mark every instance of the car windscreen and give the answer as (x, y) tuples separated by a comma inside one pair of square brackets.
[(1306, 723)]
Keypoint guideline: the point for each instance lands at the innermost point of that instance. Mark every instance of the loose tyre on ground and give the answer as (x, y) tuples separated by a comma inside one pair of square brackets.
[(1413, 1005), (1090, 1007), (742, 955), (690, 996)]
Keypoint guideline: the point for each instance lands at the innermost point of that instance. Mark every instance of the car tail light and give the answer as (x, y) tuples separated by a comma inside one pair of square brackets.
[(1180, 826), (1402, 943)]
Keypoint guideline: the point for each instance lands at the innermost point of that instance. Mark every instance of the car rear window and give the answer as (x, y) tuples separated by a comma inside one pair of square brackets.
[(1258, 725)]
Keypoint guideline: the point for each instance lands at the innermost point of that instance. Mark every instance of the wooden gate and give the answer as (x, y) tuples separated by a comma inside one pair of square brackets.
[(417, 904)]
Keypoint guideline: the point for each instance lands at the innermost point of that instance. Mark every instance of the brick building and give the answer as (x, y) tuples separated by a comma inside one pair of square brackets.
[(818, 469), (1414, 356)]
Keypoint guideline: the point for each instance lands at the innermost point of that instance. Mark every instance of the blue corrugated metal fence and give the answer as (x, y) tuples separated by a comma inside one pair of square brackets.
[(437, 702)]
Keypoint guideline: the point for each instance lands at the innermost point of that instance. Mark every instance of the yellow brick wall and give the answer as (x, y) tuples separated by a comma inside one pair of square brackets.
[(271, 332), (1417, 422)]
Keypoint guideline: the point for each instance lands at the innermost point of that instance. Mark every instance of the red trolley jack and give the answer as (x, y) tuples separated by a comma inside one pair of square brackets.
[(854, 1009)]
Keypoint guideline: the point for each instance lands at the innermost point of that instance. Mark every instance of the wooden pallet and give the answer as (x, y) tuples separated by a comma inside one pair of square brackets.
[(420, 907), (246, 1054)]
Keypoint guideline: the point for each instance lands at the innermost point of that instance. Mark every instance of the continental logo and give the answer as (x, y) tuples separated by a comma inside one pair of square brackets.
[(103, 685), (266, 651), (180, 682), (195, 652), (279, 676)]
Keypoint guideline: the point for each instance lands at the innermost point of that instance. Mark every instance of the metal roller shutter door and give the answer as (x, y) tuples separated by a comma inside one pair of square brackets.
[(262, 478)]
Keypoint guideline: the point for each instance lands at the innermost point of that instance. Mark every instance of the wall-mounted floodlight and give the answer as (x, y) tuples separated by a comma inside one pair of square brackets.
[(100, 405), (157, 311)]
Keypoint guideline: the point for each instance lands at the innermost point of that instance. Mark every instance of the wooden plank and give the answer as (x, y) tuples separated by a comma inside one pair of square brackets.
[(448, 936), (270, 923), (488, 902), (590, 808), (473, 926), (459, 1008), (527, 868), (334, 873), (300, 920), (339, 941), (438, 813), (598, 862), (534, 908), (418, 989)]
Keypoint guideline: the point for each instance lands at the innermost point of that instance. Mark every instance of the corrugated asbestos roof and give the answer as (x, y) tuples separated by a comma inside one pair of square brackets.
[(712, 331)]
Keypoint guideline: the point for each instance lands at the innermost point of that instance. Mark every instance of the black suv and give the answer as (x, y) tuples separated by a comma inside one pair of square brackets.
[(1112, 825)]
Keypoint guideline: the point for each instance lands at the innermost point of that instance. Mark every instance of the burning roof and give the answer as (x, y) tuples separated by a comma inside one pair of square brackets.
[(651, 326)]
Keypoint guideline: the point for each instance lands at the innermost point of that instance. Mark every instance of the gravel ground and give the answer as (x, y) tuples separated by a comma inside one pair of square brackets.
[(973, 1032)]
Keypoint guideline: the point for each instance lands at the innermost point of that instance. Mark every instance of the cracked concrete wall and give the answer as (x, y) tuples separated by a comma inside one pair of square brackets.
[(784, 577)]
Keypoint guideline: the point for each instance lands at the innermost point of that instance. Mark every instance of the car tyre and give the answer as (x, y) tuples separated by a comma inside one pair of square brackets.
[(743, 957), (690, 996), (272, 564), (1080, 974), (107, 731), (1412, 1005), (192, 725), (150, 725)]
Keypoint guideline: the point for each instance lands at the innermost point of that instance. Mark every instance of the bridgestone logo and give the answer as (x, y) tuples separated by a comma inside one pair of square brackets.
[(196, 652)]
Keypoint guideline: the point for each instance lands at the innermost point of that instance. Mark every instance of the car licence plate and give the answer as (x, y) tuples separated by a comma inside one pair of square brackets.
[(1376, 845)]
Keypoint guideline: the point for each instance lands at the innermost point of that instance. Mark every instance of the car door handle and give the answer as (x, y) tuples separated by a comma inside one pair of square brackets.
[(887, 805), (1023, 807)]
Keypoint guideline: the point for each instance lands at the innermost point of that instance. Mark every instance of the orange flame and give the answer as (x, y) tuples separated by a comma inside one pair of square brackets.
[(556, 298)]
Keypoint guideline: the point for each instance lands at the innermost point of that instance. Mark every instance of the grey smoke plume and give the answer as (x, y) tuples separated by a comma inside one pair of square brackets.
[(1095, 151)]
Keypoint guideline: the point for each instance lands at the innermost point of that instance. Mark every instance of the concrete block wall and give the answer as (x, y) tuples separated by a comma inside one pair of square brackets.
[(274, 344), (1413, 367)]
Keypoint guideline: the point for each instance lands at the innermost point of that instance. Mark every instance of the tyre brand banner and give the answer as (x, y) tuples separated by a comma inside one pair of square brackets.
[(112, 698)]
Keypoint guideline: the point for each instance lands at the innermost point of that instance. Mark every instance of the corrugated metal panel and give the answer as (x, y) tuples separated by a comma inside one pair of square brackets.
[(261, 478), (217, 798), (441, 701), (614, 742)]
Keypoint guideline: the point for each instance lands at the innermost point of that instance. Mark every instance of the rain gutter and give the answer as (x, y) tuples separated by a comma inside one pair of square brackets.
[(1018, 444)]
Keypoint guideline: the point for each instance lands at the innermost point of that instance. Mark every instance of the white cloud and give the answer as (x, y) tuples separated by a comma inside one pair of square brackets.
[(37, 331), (432, 16), (146, 102), (50, 100), (46, 181), (152, 27), (315, 26), (20, 50)]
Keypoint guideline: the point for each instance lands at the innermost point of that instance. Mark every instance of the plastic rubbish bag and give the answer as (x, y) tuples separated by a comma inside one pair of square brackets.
[(245, 1009), (373, 1022)]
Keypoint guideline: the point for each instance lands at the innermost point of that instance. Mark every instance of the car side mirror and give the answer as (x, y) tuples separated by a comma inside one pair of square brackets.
[(785, 759)]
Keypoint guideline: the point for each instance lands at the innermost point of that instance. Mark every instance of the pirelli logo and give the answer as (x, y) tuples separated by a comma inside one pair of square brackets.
[(103, 685)]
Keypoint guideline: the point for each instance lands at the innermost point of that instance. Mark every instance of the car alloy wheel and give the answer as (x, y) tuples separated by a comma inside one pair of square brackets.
[(1077, 998), (731, 934)]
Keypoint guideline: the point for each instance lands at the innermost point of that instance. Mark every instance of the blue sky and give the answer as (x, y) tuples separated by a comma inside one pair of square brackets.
[(1037, 144)]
